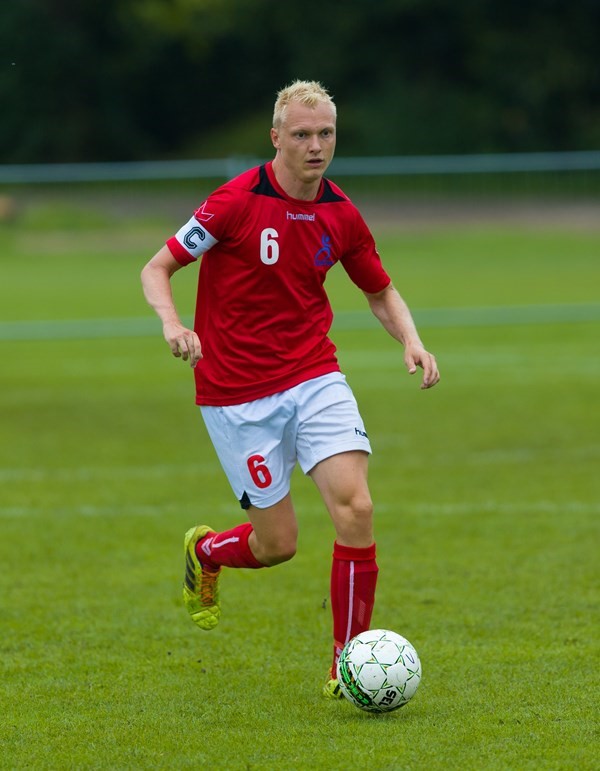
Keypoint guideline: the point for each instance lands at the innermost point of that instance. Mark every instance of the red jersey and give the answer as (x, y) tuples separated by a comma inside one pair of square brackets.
[(262, 313)]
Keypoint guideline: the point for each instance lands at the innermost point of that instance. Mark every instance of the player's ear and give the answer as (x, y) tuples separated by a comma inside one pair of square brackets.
[(275, 138)]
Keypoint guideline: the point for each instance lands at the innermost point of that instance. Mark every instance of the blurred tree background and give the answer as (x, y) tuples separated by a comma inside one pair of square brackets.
[(94, 80)]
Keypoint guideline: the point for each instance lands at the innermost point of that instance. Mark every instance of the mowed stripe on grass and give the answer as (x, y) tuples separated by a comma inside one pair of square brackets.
[(81, 329)]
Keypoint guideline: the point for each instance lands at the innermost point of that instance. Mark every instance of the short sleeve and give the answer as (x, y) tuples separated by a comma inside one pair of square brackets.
[(208, 226), (362, 261)]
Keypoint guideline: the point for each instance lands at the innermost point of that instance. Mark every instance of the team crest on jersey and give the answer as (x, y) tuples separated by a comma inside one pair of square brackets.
[(324, 258)]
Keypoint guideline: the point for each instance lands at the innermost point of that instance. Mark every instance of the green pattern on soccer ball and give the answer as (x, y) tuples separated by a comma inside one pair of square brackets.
[(379, 692)]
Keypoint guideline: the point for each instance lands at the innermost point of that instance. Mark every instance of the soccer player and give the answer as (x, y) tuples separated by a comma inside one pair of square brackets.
[(267, 379)]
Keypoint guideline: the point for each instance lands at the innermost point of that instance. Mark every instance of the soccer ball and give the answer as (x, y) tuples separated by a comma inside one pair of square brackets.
[(379, 670)]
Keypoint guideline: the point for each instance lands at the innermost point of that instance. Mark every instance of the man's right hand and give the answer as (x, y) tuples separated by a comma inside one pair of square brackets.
[(183, 342)]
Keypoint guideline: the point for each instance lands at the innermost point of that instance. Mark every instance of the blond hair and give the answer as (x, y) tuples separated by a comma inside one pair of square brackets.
[(308, 92)]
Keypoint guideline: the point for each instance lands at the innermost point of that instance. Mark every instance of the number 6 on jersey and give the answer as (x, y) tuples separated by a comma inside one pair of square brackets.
[(269, 247)]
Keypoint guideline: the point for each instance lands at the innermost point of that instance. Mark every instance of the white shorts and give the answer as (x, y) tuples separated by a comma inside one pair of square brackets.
[(259, 442)]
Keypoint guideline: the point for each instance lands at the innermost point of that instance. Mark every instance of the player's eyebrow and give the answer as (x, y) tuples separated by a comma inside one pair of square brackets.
[(306, 130)]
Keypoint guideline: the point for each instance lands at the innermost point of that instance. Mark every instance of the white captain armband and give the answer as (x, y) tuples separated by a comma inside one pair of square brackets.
[(194, 238)]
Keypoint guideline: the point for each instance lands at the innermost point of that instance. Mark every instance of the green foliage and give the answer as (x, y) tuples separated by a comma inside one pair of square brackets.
[(131, 79), (486, 493)]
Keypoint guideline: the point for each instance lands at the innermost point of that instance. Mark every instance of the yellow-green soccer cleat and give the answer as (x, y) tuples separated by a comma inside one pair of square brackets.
[(332, 689), (200, 586)]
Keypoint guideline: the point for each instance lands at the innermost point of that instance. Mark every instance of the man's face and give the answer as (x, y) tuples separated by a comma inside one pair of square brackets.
[(306, 140)]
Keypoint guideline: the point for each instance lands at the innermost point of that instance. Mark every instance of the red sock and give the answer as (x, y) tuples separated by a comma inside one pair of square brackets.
[(353, 581), (229, 549)]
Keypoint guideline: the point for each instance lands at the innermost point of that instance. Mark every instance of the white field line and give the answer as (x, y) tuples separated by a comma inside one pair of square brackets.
[(83, 329)]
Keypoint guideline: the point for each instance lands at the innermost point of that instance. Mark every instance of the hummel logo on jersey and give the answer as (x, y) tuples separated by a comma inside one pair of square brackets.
[(289, 215), (202, 215), (361, 433)]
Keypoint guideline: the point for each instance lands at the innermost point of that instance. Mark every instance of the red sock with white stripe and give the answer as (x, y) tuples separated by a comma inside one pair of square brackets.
[(353, 582), (228, 549)]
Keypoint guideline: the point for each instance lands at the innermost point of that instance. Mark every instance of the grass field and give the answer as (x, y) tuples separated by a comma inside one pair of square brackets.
[(487, 503)]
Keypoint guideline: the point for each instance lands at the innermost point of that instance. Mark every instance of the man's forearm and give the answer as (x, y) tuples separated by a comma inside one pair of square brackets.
[(394, 315), (156, 283)]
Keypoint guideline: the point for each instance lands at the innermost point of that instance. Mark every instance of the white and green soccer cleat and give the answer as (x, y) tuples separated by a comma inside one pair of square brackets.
[(200, 586), (332, 689)]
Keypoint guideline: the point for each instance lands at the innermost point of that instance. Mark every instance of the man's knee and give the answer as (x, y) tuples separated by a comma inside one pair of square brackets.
[(353, 518), (356, 507)]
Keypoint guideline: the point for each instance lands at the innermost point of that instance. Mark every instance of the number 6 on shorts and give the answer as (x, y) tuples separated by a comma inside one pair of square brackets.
[(261, 476)]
